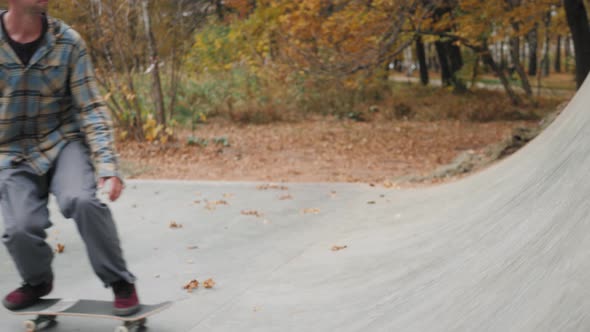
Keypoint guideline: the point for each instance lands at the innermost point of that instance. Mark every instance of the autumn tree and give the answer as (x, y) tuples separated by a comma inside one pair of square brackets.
[(119, 33)]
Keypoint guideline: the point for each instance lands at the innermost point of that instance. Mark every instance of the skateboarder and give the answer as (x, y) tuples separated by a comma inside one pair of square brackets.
[(55, 137)]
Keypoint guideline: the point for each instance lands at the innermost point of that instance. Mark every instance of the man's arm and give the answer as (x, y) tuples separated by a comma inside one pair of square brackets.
[(94, 116)]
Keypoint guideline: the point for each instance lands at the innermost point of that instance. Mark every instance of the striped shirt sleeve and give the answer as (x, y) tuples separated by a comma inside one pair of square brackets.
[(95, 119)]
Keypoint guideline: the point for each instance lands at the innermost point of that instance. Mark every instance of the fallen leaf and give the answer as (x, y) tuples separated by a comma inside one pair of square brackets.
[(209, 283), (338, 248), (191, 285), (228, 195), (192, 247), (285, 197), (59, 248), (173, 224), (311, 211), (271, 186), (211, 205), (387, 184), (252, 213), (197, 202), (371, 202)]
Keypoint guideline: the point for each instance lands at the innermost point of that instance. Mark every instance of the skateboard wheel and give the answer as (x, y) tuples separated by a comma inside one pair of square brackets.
[(30, 326), (121, 329)]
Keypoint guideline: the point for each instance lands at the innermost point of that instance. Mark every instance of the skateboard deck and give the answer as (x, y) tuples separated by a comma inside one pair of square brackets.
[(47, 311)]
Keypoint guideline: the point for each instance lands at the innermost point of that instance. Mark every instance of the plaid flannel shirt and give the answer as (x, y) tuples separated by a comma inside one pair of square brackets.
[(52, 100)]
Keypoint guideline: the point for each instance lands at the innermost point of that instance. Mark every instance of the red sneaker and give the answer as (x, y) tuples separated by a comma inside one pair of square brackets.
[(126, 300), (26, 295)]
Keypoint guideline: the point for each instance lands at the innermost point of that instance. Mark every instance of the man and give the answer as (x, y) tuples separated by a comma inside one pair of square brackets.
[(55, 137)]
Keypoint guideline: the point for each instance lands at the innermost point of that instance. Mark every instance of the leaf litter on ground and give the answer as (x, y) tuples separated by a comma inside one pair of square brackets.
[(59, 248), (338, 248), (194, 284), (174, 224), (271, 186), (212, 205), (311, 211), (252, 213)]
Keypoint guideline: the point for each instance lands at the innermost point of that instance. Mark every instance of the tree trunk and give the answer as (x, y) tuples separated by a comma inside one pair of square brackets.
[(219, 9), (157, 84), (455, 57), (451, 61), (176, 61), (523, 54), (532, 40), (489, 60), (130, 103), (429, 63), (514, 50), (557, 66), (568, 52), (445, 70), (503, 63), (546, 61), (475, 72), (421, 53), (433, 57), (577, 19)]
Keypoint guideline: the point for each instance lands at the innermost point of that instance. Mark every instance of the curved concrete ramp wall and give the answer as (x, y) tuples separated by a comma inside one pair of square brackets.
[(504, 250)]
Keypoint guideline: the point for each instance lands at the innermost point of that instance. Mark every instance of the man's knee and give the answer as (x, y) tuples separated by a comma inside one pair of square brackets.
[(24, 226), (70, 203)]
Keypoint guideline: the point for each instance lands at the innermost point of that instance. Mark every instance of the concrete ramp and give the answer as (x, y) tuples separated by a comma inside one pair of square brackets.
[(507, 249)]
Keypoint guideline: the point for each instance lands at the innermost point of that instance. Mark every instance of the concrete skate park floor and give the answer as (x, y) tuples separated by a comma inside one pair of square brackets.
[(503, 250)]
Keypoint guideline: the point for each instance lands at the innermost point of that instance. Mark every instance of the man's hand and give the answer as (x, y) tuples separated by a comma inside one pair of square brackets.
[(116, 187)]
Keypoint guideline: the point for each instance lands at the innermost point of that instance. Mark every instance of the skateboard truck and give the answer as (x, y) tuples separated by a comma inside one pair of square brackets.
[(132, 326), (41, 322)]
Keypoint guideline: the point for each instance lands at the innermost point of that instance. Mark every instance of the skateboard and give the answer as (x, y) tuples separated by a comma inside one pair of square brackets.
[(47, 311)]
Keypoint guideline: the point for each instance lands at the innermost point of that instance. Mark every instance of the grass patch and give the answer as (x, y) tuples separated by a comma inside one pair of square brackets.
[(243, 97), (478, 105)]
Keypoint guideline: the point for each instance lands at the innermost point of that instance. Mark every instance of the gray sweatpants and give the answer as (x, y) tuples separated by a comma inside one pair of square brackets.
[(23, 201)]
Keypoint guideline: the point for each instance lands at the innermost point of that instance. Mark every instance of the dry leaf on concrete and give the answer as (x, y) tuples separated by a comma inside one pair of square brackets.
[(59, 248), (271, 186), (209, 283), (193, 284), (211, 205), (311, 211), (252, 213), (338, 248), (174, 224)]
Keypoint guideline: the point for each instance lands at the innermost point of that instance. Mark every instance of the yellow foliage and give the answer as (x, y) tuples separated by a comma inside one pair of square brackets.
[(151, 129), (123, 134)]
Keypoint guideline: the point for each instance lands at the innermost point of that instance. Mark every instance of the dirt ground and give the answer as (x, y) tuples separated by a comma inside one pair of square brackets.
[(319, 150)]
